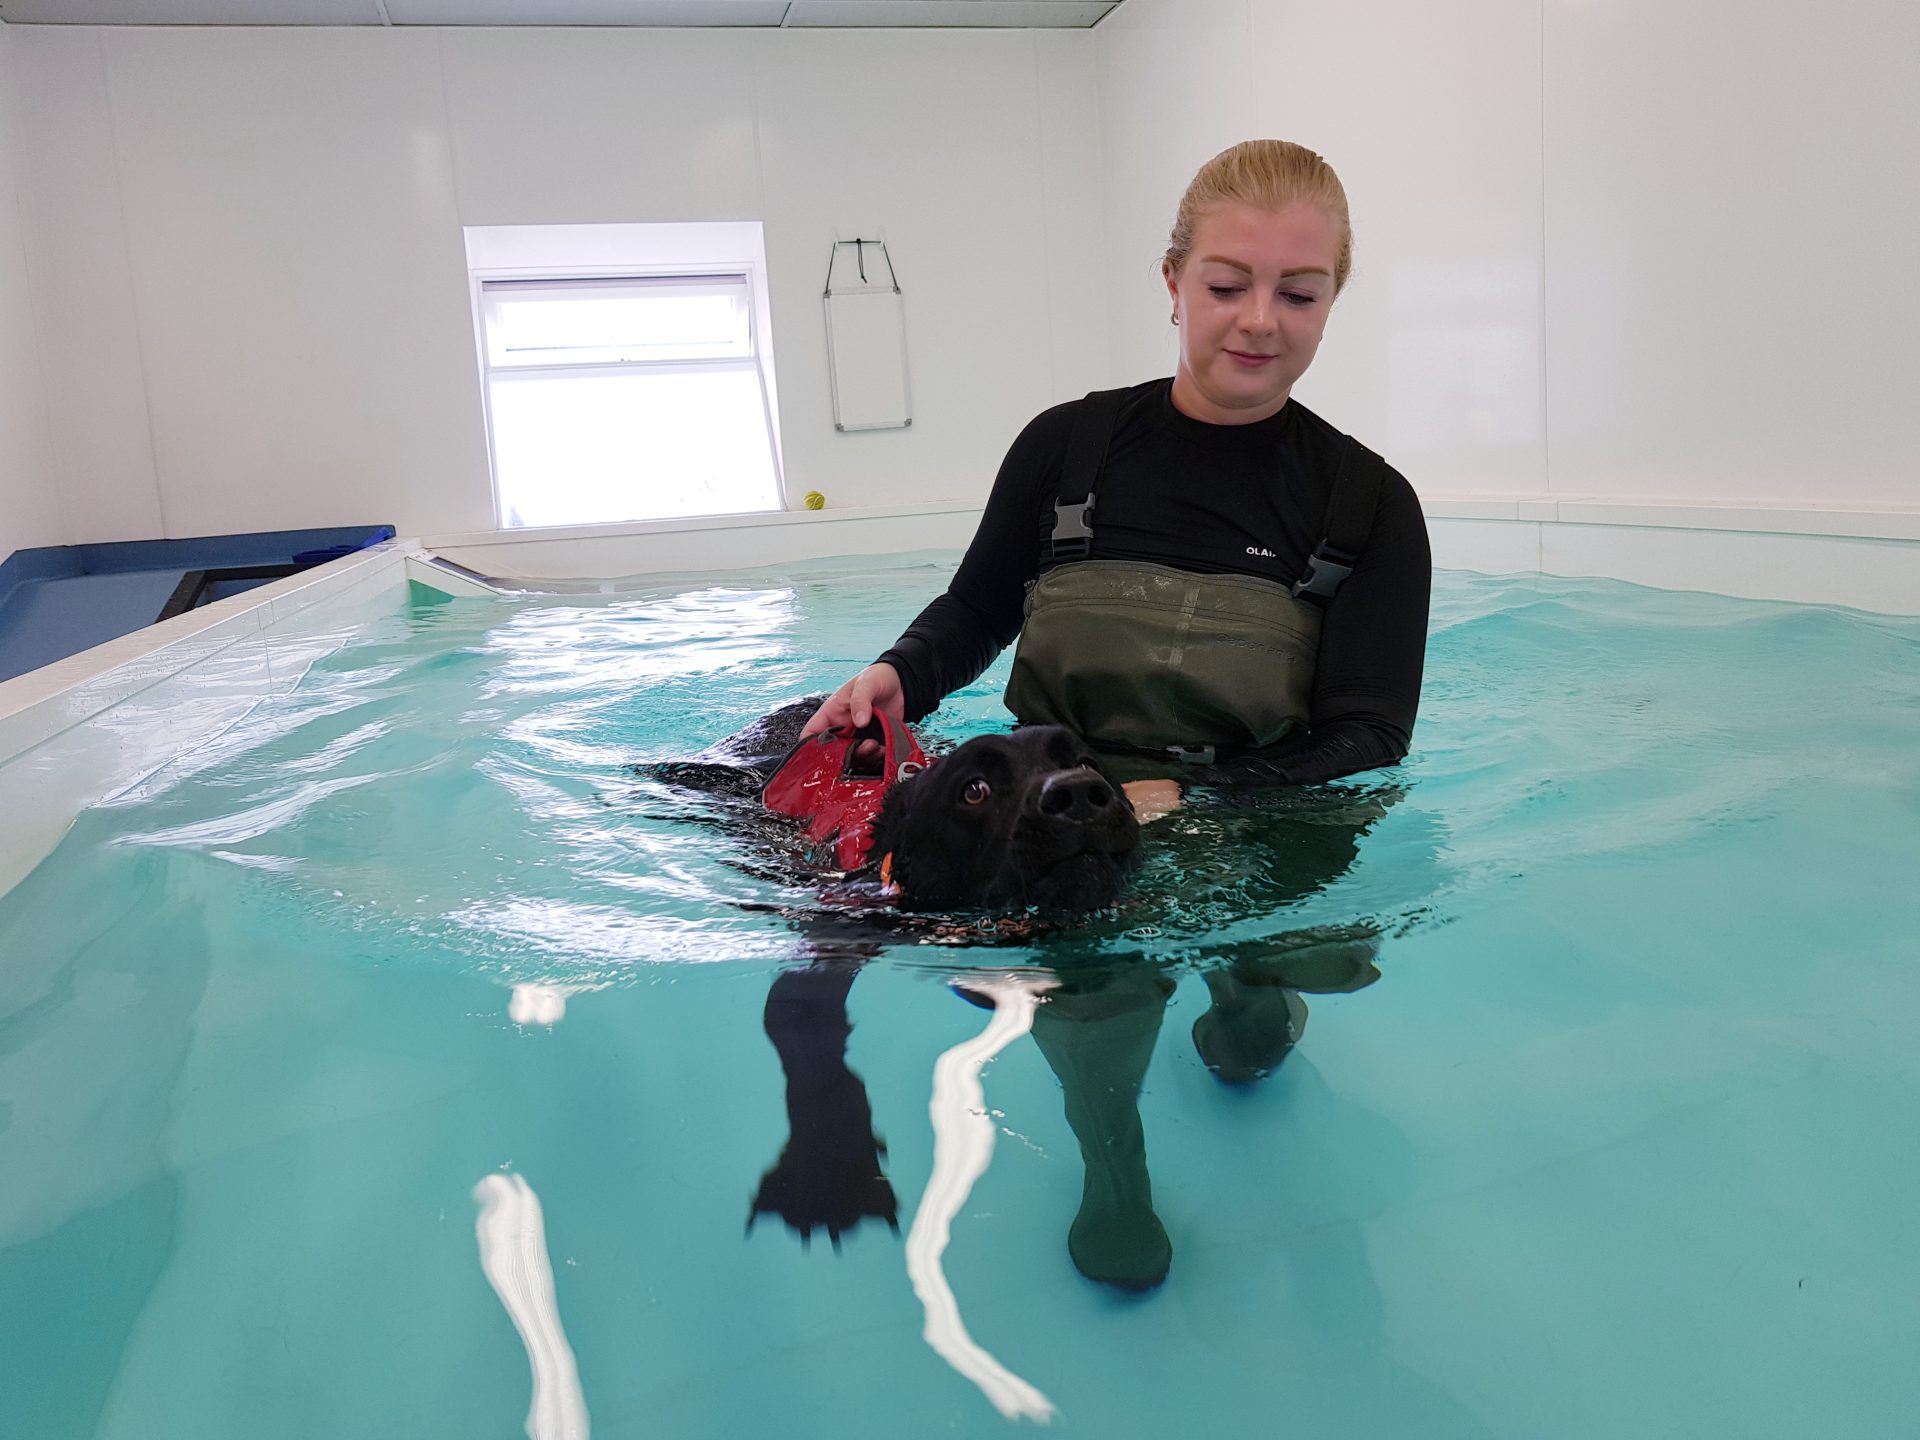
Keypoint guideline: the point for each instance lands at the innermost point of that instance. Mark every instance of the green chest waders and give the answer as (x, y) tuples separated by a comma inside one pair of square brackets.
[(1145, 659), (1148, 658)]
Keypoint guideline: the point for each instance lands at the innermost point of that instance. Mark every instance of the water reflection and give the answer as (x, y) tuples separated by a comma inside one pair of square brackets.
[(512, 1233), (962, 1145), (542, 1004)]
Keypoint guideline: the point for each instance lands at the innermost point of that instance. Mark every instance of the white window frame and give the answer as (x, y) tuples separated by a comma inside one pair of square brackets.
[(621, 252)]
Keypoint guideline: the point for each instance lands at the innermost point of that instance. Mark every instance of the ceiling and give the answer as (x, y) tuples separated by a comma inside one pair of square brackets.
[(890, 14)]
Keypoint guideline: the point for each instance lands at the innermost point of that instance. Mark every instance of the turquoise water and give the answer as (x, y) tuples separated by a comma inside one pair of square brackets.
[(1618, 1144)]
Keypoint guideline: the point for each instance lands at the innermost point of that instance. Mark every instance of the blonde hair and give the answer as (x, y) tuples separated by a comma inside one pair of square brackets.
[(1268, 175)]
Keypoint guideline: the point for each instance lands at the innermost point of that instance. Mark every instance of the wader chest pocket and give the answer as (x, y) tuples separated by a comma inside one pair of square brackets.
[(1143, 655)]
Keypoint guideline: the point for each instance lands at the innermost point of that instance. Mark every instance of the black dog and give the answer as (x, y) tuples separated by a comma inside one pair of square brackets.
[(1026, 821), (1012, 825), (1017, 823), (1026, 826)]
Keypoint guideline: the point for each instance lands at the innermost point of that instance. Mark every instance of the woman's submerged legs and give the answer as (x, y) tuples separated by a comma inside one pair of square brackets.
[(1248, 1029), (1099, 1041)]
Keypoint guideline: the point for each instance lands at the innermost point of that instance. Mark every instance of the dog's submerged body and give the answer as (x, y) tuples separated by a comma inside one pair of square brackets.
[(1012, 823)]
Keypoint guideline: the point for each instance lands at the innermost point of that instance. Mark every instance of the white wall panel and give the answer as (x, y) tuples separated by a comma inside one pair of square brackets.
[(85, 317), (301, 278), (1176, 87), (1431, 115), (1067, 78), (578, 126), (295, 334), (1731, 226), (28, 515), (937, 139), (931, 139)]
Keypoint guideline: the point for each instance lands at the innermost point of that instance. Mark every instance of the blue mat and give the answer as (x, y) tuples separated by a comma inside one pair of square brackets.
[(62, 599)]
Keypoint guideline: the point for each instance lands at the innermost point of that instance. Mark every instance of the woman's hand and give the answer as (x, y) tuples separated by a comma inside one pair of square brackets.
[(875, 688), (1152, 799)]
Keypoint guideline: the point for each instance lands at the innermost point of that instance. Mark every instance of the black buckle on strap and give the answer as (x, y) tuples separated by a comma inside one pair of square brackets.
[(1324, 572), (1192, 754), (1072, 537)]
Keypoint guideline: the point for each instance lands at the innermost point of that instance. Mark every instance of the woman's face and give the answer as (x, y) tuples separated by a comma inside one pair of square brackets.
[(1251, 303)]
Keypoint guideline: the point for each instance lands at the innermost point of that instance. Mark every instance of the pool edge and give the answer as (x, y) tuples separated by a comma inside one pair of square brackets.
[(45, 785)]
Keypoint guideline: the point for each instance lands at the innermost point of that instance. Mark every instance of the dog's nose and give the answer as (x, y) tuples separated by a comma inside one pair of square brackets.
[(1074, 795)]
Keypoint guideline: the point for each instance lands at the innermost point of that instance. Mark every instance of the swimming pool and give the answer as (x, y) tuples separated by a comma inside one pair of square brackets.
[(320, 1044)]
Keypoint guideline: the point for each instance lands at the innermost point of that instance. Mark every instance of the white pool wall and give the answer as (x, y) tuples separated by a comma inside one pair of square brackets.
[(1867, 560), (612, 553), (252, 301), (1620, 254), (29, 514)]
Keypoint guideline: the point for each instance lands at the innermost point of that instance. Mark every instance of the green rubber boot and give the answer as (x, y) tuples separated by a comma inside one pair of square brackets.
[(1099, 1043), (1249, 1029)]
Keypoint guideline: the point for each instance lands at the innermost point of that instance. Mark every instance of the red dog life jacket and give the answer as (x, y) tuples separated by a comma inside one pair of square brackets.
[(818, 783)]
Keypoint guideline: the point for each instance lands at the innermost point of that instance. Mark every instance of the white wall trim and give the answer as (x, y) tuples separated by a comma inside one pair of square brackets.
[(1757, 517), (1865, 558), (618, 557), (1866, 522), (692, 523)]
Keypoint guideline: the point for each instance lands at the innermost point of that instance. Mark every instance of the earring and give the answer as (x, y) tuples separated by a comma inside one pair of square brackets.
[(1173, 319)]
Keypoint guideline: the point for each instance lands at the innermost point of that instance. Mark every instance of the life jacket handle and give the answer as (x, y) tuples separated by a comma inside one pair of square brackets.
[(818, 784)]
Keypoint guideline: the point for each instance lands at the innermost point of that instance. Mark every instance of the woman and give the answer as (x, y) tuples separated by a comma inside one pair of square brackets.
[(1243, 594)]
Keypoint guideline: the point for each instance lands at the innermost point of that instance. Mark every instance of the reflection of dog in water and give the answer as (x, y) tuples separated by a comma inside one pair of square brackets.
[(1026, 823)]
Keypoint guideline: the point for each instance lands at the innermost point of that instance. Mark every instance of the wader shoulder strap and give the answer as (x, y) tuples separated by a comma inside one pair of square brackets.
[(1356, 494), (1072, 535)]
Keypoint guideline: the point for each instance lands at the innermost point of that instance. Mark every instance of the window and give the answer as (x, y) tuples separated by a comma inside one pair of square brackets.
[(618, 396)]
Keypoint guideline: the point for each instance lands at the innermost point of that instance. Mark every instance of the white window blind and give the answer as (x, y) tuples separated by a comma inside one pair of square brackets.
[(635, 397)]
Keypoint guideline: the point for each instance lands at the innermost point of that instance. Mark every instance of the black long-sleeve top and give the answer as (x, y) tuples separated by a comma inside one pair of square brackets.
[(1213, 499)]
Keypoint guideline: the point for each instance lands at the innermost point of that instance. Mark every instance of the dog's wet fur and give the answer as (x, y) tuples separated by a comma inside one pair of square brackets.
[(1010, 822), (1025, 822)]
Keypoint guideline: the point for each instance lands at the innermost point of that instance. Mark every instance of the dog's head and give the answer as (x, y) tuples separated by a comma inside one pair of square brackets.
[(1006, 822)]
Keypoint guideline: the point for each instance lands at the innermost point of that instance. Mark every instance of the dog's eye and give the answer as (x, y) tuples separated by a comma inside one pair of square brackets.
[(976, 792)]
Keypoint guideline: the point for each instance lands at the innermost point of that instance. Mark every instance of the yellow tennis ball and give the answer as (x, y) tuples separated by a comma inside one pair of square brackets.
[(814, 500)]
